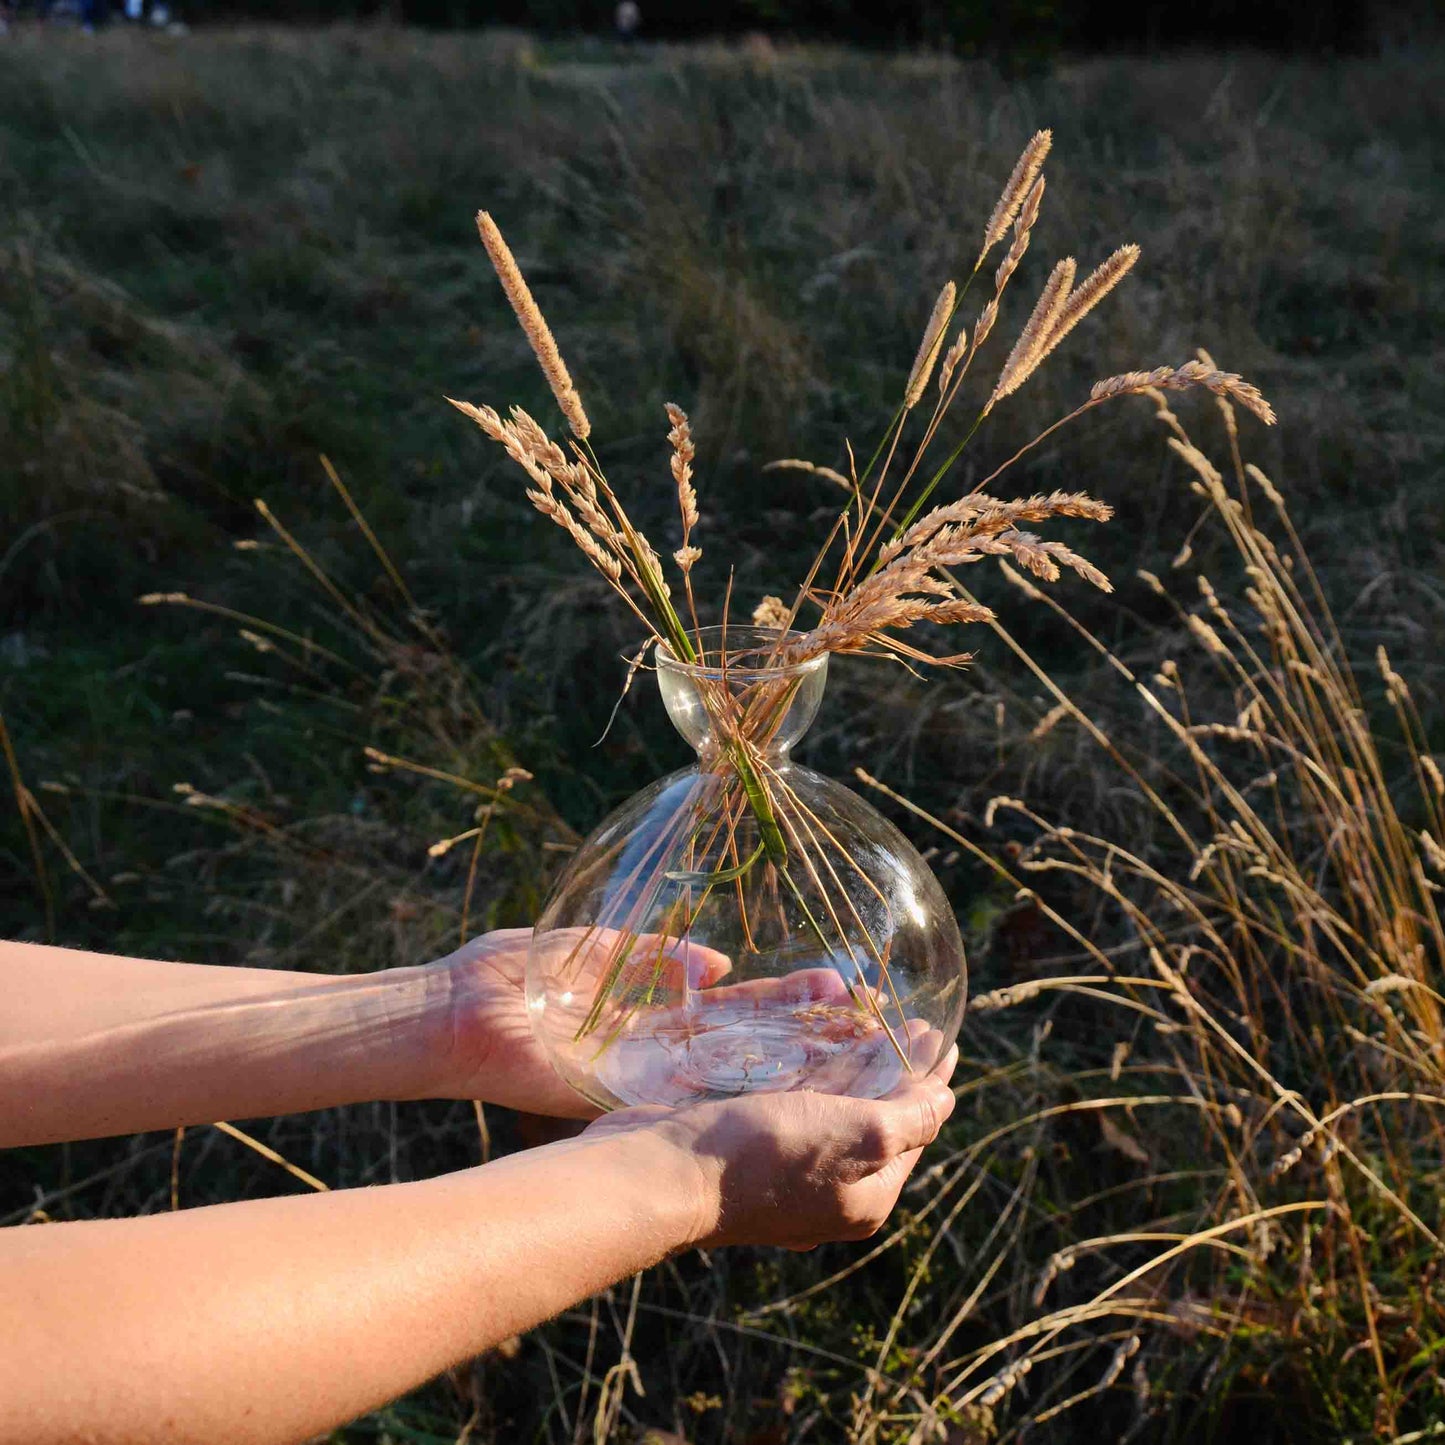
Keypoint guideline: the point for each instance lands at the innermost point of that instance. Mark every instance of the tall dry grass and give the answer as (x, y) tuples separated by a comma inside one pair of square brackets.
[(1196, 1179), (1262, 983), (1155, 1082)]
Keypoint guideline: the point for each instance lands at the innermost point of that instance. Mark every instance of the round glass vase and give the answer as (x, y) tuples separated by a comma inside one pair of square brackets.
[(744, 924)]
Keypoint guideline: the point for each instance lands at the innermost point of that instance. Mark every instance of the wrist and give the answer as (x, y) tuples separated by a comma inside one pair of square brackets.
[(689, 1188), (407, 1015)]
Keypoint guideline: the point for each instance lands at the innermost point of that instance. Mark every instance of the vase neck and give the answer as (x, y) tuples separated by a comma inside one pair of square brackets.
[(718, 702)]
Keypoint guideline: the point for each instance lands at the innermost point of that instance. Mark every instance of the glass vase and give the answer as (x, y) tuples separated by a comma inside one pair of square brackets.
[(746, 923)]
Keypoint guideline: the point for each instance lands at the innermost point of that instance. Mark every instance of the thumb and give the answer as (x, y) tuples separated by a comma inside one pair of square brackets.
[(914, 1113)]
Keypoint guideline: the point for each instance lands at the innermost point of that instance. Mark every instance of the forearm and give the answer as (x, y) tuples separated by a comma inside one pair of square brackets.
[(275, 1320), (59, 991), (93, 1045)]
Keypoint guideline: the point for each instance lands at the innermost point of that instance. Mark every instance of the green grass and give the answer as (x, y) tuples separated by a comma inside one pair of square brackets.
[(223, 255)]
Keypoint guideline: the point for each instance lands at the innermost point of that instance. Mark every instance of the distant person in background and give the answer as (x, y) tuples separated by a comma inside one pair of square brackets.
[(627, 20), (93, 14)]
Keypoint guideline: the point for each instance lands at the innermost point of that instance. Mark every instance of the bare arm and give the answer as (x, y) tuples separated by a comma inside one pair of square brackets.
[(271, 1321), (92, 1044)]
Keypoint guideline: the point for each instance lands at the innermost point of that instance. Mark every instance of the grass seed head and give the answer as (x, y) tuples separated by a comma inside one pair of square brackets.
[(929, 347), (1030, 349), (1090, 291), (683, 452), (1020, 182), (952, 357), (534, 326), (772, 612)]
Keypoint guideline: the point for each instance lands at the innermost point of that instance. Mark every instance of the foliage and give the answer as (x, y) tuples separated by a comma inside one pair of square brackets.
[(229, 254)]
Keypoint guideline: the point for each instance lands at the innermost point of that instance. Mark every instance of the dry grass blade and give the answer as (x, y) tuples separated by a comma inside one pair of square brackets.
[(266, 1152), (798, 464)]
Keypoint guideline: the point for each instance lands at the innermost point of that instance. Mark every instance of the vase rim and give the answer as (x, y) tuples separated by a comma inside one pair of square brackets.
[(752, 641)]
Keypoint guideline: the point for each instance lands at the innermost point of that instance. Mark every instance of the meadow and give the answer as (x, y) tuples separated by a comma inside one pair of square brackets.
[(1192, 1190)]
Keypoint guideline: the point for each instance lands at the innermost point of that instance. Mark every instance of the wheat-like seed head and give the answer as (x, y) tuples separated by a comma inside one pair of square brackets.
[(1025, 173), (548, 467), (911, 585), (1089, 292), (1193, 373), (990, 513), (951, 358), (1023, 230), (683, 452), (772, 612), (1029, 349), (1431, 769), (1028, 214), (929, 347), (534, 326), (518, 446), (984, 324), (606, 562), (1206, 635)]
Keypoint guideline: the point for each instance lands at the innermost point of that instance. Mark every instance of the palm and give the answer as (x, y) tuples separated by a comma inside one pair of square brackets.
[(494, 1055)]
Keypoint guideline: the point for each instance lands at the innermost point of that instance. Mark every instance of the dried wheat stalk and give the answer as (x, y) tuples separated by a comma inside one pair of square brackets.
[(1225, 384), (1025, 173), (1028, 350), (885, 584), (928, 348), (534, 326)]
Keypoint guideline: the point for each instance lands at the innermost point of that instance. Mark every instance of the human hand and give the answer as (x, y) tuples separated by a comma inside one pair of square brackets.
[(490, 1051), (797, 1169)]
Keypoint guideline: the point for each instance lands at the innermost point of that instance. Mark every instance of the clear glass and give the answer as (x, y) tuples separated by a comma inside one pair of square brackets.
[(744, 924)]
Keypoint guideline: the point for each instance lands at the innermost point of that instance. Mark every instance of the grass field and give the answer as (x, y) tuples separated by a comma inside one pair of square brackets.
[(225, 255)]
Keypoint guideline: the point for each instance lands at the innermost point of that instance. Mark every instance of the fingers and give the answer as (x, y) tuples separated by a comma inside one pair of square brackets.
[(944, 1068), (678, 960), (803, 986), (839, 1163), (582, 954), (913, 1113), (700, 966), (874, 1197)]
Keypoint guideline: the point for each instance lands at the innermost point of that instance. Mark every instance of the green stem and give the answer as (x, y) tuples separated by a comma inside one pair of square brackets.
[(723, 875), (761, 804), (882, 442)]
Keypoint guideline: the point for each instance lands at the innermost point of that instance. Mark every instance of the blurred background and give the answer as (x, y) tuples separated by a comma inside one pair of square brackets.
[(238, 239)]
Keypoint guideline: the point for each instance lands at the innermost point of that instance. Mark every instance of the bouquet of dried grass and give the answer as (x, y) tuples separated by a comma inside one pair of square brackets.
[(888, 564)]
